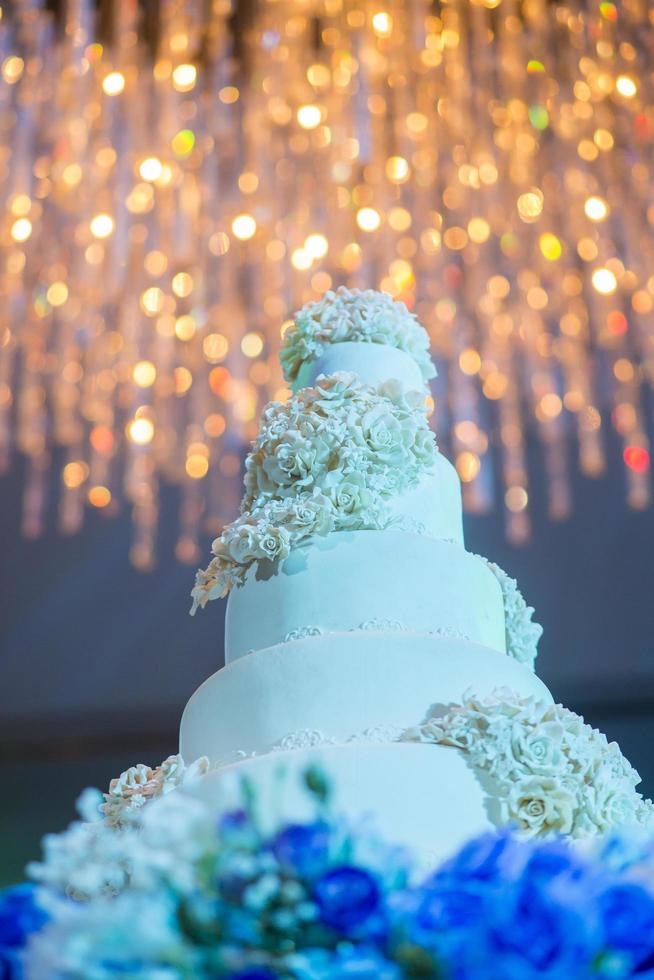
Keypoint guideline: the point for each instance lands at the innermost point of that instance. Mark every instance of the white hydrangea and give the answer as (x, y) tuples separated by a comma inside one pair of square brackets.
[(365, 316), (327, 460), (522, 633), (553, 773)]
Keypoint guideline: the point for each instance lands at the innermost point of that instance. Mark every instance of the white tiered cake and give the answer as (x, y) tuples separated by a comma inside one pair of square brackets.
[(362, 636)]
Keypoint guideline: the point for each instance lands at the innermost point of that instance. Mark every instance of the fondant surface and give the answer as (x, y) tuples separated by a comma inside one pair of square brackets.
[(434, 504), (373, 363), (423, 796), (338, 685), (337, 582)]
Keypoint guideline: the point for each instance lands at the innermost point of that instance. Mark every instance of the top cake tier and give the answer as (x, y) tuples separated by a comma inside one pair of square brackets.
[(362, 331)]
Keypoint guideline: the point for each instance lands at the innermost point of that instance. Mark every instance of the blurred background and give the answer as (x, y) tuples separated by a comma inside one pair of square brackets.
[(176, 178)]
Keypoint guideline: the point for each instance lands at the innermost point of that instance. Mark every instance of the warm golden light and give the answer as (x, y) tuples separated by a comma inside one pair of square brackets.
[(382, 23), (141, 431), (309, 116), (469, 361), (368, 219), (113, 83), (215, 347), (185, 327), (57, 294), (152, 301), (397, 170), (301, 259), (244, 227), (596, 208), (182, 284), (102, 225), (252, 344), (184, 77), (316, 245), (626, 86), (516, 499), (197, 466), (99, 496), (74, 474), (21, 230), (151, 169), (604, 281), (530, 205), (468, 465), (144, 374)]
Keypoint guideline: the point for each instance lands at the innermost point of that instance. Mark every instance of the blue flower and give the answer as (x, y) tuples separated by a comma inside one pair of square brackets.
[(450, 907), (627, 912), (553, 860), (303, 847), (485, 858), (253, 973), (20, 916), (540, 931), (346, 897)]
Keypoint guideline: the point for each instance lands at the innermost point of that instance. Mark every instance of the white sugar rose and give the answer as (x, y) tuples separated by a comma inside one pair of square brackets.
[(332, 391), (538, 751), (348, 499), (609, 805), (274, 543), (424, 448), (306, 515), (291, 462), (540, 805), (242, 542), (383, 435)]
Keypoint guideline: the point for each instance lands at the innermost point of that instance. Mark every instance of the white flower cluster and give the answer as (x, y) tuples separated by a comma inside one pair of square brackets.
[(365, 316), (104, 852), (327, 460), (553, 773), (138, 784), (522, 634)]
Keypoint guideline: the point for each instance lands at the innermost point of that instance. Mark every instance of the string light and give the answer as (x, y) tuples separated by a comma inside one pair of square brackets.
[(178, 210)]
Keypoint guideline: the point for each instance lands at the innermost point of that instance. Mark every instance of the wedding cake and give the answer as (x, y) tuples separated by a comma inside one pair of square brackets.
[(362, 637)]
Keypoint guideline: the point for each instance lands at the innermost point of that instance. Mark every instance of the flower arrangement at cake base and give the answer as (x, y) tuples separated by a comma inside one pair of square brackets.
[(176, 891)]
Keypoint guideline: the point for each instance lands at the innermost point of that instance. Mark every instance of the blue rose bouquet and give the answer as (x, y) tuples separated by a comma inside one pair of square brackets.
[(201, 896)]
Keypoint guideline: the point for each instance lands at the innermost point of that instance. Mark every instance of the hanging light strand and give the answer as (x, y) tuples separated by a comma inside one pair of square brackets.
[(170, 195)]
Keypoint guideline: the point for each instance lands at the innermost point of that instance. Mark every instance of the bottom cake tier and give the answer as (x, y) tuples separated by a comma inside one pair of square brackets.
[(425, 797)]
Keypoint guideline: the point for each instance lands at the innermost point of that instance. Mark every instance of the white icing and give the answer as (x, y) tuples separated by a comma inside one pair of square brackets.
[(373, 363), (425, 797), (340, 684), (422, 583)]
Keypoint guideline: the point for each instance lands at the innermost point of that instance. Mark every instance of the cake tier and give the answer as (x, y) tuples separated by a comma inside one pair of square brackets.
[(340, 685), (350, 578), (434, 504), (422, 796), (373, 363)]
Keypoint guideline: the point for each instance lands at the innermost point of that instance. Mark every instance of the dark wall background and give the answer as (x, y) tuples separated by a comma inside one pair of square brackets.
[(97, 659)]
